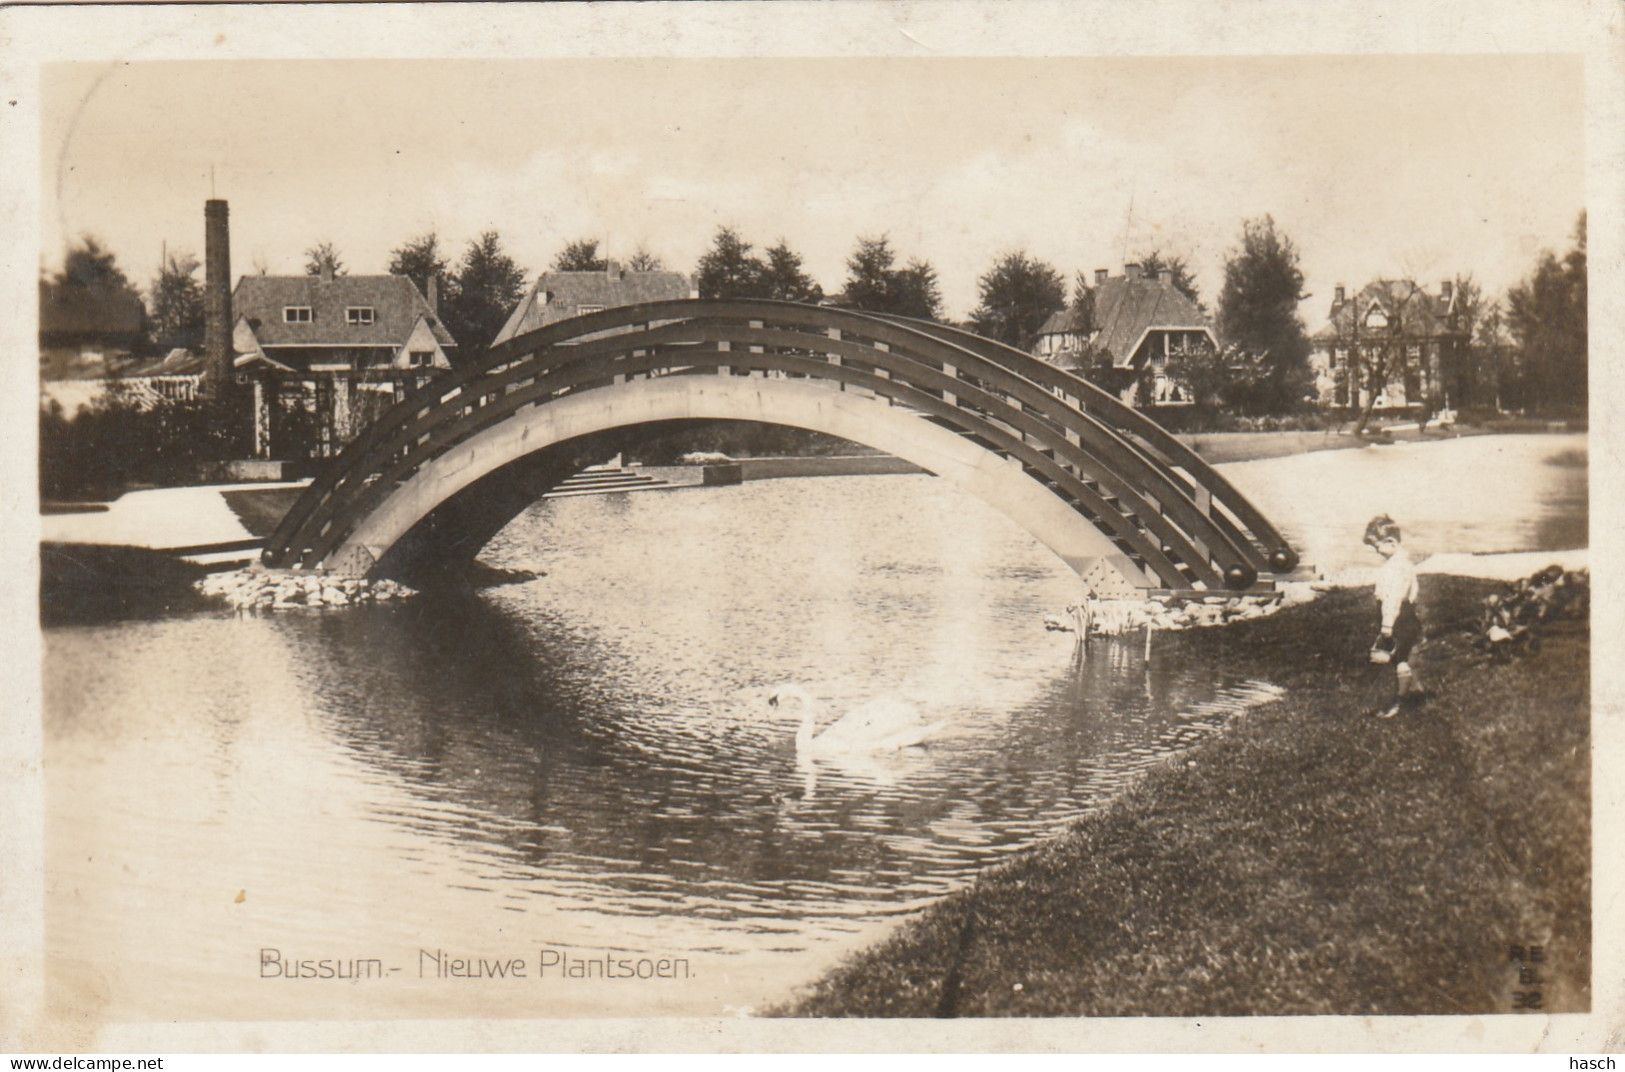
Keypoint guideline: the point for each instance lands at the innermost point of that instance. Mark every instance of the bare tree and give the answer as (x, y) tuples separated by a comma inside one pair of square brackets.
[(323, 259), (1491, 356), (642, 260), (1375, 333)]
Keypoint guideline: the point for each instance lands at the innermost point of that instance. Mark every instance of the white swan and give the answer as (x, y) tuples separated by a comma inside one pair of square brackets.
[(883, 725)]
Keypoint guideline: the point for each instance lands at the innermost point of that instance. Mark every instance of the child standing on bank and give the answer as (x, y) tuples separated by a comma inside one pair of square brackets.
[(1397, 593)]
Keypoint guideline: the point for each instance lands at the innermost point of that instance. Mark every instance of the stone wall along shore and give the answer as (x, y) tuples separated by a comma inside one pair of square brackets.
[(257, 588)]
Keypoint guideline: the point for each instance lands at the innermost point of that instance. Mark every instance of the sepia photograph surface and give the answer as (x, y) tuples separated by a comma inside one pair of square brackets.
[(531, 519)]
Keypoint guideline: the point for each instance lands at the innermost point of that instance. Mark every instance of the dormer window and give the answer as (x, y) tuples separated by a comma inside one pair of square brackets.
[(296, 314), (358, 314)]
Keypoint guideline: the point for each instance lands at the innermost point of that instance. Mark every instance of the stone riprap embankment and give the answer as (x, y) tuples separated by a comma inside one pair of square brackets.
[(1114, 617), (264, 589)]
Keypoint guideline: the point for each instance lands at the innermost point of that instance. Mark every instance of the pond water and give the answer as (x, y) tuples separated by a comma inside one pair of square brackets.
[(581, 769), (1476, 495)]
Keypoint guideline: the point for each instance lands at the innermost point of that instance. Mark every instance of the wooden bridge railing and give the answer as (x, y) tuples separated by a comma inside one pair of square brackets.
[(1153, 502)]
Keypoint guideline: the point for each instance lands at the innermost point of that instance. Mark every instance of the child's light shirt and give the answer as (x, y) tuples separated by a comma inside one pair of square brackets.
[(1396, 586)]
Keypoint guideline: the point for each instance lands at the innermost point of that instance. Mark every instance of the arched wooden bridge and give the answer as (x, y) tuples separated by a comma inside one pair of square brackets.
[(1124, 503)]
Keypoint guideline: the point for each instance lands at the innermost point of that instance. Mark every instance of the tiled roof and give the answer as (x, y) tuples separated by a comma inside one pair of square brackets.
[(63, 364), (560, 295), (394, 299), (1126, 308), (178, 362), (1421, 314), (71, 310), (1063, 322)]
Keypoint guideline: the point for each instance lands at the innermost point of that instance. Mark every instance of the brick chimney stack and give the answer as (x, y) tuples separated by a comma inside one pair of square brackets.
[(1337, 295), (1445, 289), (1101, 275), (1133, 271), (434, 295), (218, 372)]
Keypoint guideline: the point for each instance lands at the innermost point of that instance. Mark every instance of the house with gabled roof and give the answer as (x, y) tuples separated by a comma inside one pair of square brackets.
[(325, 354), (561, 295), (87, 328), (327, 323), (1132, 340), (1419, 334), (1064, 338), (86, 334)]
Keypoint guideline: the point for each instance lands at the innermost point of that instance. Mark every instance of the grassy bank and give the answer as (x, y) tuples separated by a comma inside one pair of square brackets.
[(1217, 448), (1309, 859), (261, 509)]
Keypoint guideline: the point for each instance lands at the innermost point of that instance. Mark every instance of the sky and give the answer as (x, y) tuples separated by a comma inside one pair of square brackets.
[(1425, 166)]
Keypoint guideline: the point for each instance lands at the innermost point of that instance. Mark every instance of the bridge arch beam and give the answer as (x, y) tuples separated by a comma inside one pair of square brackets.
[(1000, 482)]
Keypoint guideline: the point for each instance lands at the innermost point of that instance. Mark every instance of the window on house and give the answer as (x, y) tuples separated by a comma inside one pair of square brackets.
[(296, 314), (420, 358), (358, 314), (583, 310)]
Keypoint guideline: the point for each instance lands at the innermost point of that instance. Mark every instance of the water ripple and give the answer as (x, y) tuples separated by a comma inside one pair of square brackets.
[(588, 760)]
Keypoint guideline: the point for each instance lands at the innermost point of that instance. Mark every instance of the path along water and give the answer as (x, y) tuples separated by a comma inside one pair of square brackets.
[(577, 767)]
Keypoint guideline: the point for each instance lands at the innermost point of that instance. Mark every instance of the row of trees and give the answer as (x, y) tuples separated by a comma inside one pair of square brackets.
[(730, 270), (477, 294), (1527, 350), (874, 283)]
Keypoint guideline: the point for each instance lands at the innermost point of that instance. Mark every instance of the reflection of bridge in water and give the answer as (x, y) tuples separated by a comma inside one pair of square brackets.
[(1124, 504)]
